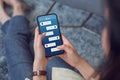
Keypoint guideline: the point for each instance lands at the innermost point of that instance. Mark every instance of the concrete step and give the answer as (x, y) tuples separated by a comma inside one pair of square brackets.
[(87, 43), (72, 17), (96, 24), (69, 16)]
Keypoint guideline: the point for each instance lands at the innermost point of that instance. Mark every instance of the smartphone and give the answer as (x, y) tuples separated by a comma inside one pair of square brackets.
[(49, 24)]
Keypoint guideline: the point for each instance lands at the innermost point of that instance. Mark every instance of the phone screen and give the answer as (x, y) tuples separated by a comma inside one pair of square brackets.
[(49, 24)]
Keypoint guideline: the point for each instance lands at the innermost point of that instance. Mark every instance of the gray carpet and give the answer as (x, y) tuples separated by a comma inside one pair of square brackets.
[(86, 38)]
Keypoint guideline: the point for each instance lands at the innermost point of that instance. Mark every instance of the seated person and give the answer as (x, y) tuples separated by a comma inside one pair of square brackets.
[(22, 63)]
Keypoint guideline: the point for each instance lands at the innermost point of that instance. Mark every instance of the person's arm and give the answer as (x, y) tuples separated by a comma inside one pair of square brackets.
[(37, 66), (71, 57), (87, 70), (40, 61)]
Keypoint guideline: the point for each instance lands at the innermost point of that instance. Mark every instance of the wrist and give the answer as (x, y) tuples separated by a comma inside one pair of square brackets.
[(78, 61), (81, 62), (39, 65), (39, 75), (36, 68), (85, 69), (40, 78)]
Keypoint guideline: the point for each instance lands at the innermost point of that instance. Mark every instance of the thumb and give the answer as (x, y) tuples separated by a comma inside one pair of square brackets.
[(40, 38), (65, 48)]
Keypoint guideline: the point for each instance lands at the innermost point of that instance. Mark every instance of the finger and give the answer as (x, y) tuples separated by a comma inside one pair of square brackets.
[(49, 58), (40, 38), (66, 48), (62, 56), (36, 35), (66, 41)]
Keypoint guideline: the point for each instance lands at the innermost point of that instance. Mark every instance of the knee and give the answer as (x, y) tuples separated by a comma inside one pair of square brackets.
[(17, 34), (15, 38)]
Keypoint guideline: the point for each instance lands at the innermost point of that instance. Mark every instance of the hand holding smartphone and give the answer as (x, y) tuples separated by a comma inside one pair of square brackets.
[(49, 24)]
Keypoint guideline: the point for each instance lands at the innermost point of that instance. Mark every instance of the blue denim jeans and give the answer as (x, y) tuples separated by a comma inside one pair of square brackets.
[(19, 50)]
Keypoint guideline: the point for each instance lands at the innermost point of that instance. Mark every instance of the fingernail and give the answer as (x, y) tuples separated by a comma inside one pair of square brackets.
[(43, 33), (58, 47)]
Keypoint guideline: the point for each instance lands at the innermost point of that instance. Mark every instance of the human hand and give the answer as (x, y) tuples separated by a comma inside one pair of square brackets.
[(39, 52), (70, 55)]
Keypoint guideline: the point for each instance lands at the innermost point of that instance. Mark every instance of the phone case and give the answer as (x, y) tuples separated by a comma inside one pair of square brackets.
[(49, 24)]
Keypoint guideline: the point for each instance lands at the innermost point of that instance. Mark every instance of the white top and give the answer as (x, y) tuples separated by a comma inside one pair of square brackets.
[(65, 74)]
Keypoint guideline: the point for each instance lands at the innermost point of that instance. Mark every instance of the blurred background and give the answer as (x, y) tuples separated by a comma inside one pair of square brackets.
[(81, 21)]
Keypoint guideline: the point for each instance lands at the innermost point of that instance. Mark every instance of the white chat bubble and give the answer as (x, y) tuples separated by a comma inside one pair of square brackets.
[(53, 38), (54, 49), (51, 27), (50, 45), (45, 23), (49, 33)]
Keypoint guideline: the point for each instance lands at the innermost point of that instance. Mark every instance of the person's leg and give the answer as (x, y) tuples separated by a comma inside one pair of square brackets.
[(31, 44), (59, 63), (19, 58), (18, 55)]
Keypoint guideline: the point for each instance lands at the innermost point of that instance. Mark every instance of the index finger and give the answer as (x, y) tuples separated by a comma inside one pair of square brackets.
[(66, 41), (36, 34)]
